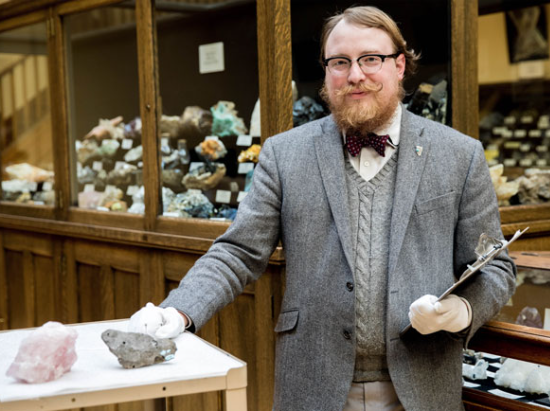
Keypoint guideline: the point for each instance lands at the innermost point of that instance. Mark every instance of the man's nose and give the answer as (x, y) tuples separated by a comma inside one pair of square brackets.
[(355, 73)]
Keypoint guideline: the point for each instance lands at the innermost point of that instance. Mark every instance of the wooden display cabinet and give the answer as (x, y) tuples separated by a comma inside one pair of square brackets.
[(73, 265)]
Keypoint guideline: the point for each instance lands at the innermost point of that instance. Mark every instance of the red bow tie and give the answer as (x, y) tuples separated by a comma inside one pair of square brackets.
[(355, 143)]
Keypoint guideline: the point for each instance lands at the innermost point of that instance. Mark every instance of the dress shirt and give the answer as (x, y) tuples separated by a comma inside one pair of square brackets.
[(368, 163)]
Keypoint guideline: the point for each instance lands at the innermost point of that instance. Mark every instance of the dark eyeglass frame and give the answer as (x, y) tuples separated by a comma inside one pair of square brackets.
[(383, 57)]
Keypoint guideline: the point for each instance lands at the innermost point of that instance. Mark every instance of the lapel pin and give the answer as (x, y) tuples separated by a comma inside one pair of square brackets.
[(418, 150)]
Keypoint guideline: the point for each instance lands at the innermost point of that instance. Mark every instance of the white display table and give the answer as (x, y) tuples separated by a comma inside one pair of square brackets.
[(97, 378)]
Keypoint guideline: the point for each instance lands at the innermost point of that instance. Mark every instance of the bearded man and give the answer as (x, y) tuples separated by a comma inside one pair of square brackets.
[(378, 210)]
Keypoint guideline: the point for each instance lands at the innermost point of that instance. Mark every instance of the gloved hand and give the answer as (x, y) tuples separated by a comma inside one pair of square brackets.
[(450, 314), (157, 322)]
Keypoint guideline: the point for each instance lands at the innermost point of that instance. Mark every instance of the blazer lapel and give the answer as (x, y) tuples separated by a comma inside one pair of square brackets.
[(330, 155), (414, 149)]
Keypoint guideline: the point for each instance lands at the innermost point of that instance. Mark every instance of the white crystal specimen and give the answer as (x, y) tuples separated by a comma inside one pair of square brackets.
[(524, 376), (477, 371), (45, 355)]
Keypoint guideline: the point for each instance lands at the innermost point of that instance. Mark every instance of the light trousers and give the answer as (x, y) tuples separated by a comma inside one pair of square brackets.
[(373, 396)]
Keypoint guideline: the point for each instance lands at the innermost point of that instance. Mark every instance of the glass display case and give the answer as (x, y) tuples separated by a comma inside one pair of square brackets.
[(523, 381), (530, 305), (209, 138), (104, 124), (427, 92), (25, 119), (514, 100)]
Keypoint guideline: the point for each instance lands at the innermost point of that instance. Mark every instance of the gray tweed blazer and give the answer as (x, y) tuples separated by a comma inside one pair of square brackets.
[(443, 201)]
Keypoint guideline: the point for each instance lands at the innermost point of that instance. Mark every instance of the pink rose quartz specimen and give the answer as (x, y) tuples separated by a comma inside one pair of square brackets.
[(45, 355)]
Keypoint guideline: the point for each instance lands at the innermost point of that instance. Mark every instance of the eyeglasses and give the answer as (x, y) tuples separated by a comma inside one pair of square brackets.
[(369, 63)]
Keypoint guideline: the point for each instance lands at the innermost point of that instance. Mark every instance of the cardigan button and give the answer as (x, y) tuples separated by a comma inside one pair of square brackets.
[(347, 335), (349, 286)]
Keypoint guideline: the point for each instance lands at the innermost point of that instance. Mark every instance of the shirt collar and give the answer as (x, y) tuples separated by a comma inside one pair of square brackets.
[(393, 129)]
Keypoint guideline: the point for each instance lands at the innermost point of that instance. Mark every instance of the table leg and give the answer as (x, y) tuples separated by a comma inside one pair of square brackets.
[(235, 400)]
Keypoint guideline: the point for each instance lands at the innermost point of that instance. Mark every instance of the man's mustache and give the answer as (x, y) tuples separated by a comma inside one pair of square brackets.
[(363, 87)]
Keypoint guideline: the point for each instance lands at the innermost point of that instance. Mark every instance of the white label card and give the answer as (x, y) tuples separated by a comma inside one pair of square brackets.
[(211, 58), (119, 165), (241, 196), (97, 165), (245, 167), (171, 214), (127, 143), (88, 188), (546, 319), (194, 191), (531, 69), (223, 196), (212, 138), (131, 190), (244, 140)]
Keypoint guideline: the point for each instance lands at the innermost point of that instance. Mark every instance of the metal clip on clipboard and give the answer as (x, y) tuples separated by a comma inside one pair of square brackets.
[(487, 249)]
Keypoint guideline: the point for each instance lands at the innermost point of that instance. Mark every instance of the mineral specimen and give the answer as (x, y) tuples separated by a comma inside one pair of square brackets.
[(305, 110), (196, 122), (477, 371), (45, 355), (172, 179), (523, 376), (87, 151), (504, 189), (28, 172), (255, 121), (252, 153), (107, 129), (430, 101), (183, 152), (192, 204), (108, 148), (121, 175), (212, 149), (201, 178), (89, 199), (135, 350), (135, 154), (530, 317), (170, 126), (534, 186), (132, 130), (227, 212), (226, 122)]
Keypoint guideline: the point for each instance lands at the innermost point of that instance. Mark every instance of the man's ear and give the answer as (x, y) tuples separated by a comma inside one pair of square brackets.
[(400, 63)]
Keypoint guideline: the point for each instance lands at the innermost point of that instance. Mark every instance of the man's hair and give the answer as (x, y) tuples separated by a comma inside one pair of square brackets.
[(368, 16)]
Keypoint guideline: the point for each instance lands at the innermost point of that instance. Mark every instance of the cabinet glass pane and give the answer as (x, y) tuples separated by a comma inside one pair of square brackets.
[(424, 25), (208, 65), (530, 307), (514, 100), (25, 121), (104, 121)]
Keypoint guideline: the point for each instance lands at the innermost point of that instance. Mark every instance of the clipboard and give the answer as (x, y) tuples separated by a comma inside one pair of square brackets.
[(487, 249)]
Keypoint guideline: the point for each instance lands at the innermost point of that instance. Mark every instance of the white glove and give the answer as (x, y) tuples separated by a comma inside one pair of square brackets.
[(157, 322), (453, 314)]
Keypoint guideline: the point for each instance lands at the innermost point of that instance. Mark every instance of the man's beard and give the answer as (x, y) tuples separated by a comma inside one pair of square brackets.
[(359, 116)]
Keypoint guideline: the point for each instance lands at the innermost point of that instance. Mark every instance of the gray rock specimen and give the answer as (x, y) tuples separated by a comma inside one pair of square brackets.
[(135, 350)]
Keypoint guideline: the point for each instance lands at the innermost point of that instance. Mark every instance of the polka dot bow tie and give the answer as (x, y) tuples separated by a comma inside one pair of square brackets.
[(355, 143)]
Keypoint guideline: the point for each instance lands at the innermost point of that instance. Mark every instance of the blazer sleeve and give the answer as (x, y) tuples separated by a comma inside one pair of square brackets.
[(241, 254), (478, 212)]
